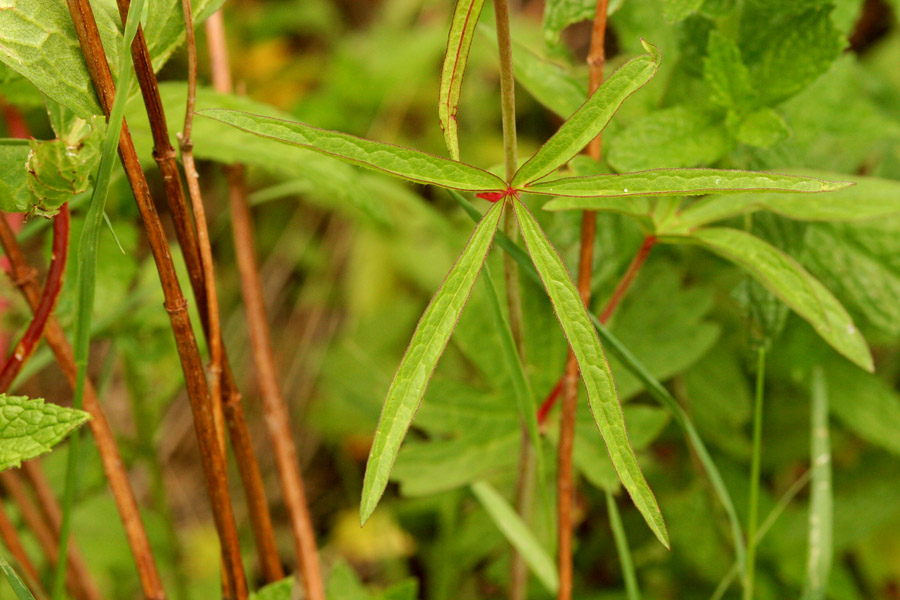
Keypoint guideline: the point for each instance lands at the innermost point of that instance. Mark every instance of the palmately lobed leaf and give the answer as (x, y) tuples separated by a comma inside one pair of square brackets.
[(29, 427), (398, 161), (674, 182)]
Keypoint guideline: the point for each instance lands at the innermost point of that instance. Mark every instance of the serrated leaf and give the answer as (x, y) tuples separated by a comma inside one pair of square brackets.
[(590, 119), (29, 428), (595, 371), (871, 197), (726, 74), (559, 14), (761, 128), (784, 277), (519, 535), (680, 136), (679, 10), (405, 163), (672, 182), (15, 195), (425, 349), (462, 29), (38, 40)]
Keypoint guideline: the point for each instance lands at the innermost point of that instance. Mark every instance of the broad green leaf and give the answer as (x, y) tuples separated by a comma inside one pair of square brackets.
[(680, 136), (679, 10), (594, 369), (726, 74), (462, 29), (60, 168), (761, 128), (867, 405), (425, 349), (551, 83), (788, 49), (519, 535), (213, 140), (672, 182), (821, 501), (784, 277), (15, 195), (279, 590), (559, 14), (38, 40), (343, 584), (871, 197), (590, 119), (405, 163), (29, 428)]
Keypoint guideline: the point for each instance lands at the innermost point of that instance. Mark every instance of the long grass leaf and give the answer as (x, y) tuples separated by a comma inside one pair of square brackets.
[(589, 120), (624, 552), (15, 582), (398, 161), (821, 501), (519, 535), (672, 182), (462, 29), (602, 397), (86, 276), (425, 349)]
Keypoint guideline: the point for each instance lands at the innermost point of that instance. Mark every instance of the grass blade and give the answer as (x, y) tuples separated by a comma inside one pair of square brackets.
[(15, 582), (793, 285), (618, 529), (672, 182), (86, 277), (821, 501), (756, 457), (590, 119), (604, 402), (462, 30), (425, 349), (519, 535), (398, 161)]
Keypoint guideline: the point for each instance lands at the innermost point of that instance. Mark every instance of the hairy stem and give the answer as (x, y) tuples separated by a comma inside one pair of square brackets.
[(213, 462), (565, 482), (753, 511), (277, 415)]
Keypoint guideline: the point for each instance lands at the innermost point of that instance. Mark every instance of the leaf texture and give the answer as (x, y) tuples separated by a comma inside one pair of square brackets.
[(29, 428)]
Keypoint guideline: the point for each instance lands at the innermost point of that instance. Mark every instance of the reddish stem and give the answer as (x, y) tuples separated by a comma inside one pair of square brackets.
[(26, 346), (612, 304)]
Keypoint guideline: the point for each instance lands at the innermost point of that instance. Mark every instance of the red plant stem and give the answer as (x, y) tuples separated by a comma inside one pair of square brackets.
[(565, 482), (22, 276), (26, 346), (277, 416), (14, 544), (213, 463), (608, 311)]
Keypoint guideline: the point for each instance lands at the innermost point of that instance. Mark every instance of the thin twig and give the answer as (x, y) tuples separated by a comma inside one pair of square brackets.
[(213, 464), (238, 431), (565, 481), (52, 287), (113, 465), (277, 416)]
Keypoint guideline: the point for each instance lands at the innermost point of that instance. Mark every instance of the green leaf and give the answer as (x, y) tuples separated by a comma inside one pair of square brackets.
[(785, 278), (15, 582), (871, 197), (680, 136), (594, 369), (590, 119), (405, 163), (622, 549), (679, 10), (786, 49), (343, 584), (726, 74), (866, 405), (559, 14), (761, 128), (29, 428), (821, 500), (15, 195), (279, 590), (38, 40), (425, 349), (671, 182), (519, 535), (462, 29)]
